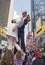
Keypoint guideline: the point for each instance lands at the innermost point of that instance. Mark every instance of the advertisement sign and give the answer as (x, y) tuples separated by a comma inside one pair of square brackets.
[(38, 24), (30, 35), (3, 42), (3, 31)]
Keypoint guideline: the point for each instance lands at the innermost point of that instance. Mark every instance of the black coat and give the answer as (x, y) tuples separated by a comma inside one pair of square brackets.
[(0, 51), (21, 29), (21, 34), (38, 61)]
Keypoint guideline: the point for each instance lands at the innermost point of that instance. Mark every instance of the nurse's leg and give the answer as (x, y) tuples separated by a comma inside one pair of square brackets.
[(10, 41), (16, 45)]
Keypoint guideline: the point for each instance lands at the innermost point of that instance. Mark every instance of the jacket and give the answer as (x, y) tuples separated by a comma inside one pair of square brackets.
[(21, 29), (38, 61)]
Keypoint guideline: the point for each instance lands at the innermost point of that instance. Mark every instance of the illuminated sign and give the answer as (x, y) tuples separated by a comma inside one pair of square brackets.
[(38, 24), (3, 31)]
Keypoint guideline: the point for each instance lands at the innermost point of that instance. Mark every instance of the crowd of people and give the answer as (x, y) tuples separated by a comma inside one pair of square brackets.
[(29, 57), (16, 52)]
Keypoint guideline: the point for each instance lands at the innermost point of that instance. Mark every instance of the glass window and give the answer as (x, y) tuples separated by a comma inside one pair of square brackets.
[(43, 22), (37, 17), (36, 2), (42, 7), (36, 12), (36, 7), (3, 42), (41, 3), (43, 17), (32, 14)]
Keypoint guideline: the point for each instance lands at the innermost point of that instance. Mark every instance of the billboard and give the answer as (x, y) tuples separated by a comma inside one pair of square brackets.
[(4, 43), (38, 24), (3, 31), (30, 35)]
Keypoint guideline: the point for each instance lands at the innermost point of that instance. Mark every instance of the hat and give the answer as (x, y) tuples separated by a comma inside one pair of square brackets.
[(37, 54)]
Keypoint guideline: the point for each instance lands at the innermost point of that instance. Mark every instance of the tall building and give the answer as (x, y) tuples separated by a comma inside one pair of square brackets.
[(6, 11), (30, 26), (37, 9), (6, 15)]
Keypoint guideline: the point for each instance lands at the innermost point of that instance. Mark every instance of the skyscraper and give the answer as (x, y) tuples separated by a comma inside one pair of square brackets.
[(37, 9), (6, 11)]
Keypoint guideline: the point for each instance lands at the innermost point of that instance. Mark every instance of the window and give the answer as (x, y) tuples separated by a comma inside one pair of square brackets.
[(43, 11), (36, 2), (43, 17), (42, 7), (36, 7), (32, 14), (43, 22), (40, 10), (4, 43), (37, 17), (41, 3), (36, 12)]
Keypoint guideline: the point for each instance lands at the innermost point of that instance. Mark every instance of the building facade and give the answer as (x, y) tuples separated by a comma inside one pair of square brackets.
[(6, 15), (6, 11), (37, 9)]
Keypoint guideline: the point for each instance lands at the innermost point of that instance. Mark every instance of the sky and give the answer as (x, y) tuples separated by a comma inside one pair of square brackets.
[(19, 6)]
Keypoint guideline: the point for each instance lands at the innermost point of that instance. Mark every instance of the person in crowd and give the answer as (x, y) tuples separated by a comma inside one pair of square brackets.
[(33, 57), (30, 62), (0, 53), (27, 56), (19, 57), (33, 49), (43, 55), (25, 19), (38, 60), (7, 58), (27, 48)]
